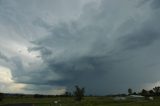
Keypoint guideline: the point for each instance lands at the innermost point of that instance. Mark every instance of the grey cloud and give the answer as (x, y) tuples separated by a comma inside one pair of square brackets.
[(142, 2), (155, 4), (88, 59), (21, 19), (140, 38), (106, 50), (44, 50), (41, 23), (3, 57), (18, 68)]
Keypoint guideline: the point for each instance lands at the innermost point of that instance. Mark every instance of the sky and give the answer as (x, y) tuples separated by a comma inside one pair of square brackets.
[(106, 46)]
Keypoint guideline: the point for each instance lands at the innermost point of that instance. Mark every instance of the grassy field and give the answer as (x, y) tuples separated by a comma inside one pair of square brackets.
[(88, 101)]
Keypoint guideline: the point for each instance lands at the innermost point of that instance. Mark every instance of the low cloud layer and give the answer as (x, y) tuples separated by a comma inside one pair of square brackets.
[(106, 46)]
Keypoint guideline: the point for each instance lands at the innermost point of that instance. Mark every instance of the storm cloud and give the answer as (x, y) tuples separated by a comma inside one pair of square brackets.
[(106, 46)]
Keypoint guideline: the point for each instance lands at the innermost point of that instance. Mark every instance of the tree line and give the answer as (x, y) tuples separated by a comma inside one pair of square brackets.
[(153, 92), (78, 94)]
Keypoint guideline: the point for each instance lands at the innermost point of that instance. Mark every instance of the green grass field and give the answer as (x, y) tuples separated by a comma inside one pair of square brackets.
[(88, 101)]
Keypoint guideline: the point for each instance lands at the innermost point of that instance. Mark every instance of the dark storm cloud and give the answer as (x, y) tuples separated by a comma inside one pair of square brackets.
[(43, 50), (140, 38), (155, 4), (77, 64), (111, 46), (85, 56)]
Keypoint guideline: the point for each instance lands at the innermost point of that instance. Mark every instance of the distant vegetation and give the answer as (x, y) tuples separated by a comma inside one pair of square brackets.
[(1, 96), (77, 97), (129, 91), (79, 93), (153, 92)]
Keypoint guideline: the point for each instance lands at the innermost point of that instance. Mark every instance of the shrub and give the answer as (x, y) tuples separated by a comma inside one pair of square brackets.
[(1, 96), (79, 93)]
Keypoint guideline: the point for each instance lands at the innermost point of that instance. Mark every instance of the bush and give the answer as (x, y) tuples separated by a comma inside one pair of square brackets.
[(38, 96), (79, 93), (1, 96)]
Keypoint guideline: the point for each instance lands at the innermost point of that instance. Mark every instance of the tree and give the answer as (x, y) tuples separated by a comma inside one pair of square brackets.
[(1, 96), (151, 93), (79, 93), (129, 91), (68, 94), (157, 90), (134, 93), (144, 92)]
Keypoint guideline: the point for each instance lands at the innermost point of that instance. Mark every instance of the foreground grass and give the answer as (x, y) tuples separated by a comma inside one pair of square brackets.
[(88, 101)]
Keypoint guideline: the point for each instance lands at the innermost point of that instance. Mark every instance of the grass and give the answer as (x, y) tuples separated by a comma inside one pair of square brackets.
[(88, 101)]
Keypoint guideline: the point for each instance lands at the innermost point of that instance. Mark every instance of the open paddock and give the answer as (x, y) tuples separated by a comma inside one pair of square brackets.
[(87, 101)]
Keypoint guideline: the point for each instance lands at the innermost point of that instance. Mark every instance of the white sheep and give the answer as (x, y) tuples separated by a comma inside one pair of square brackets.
[(57, 102), (151, 98)]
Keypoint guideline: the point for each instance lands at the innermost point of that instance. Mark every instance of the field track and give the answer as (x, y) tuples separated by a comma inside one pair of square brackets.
[(20, 104)]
